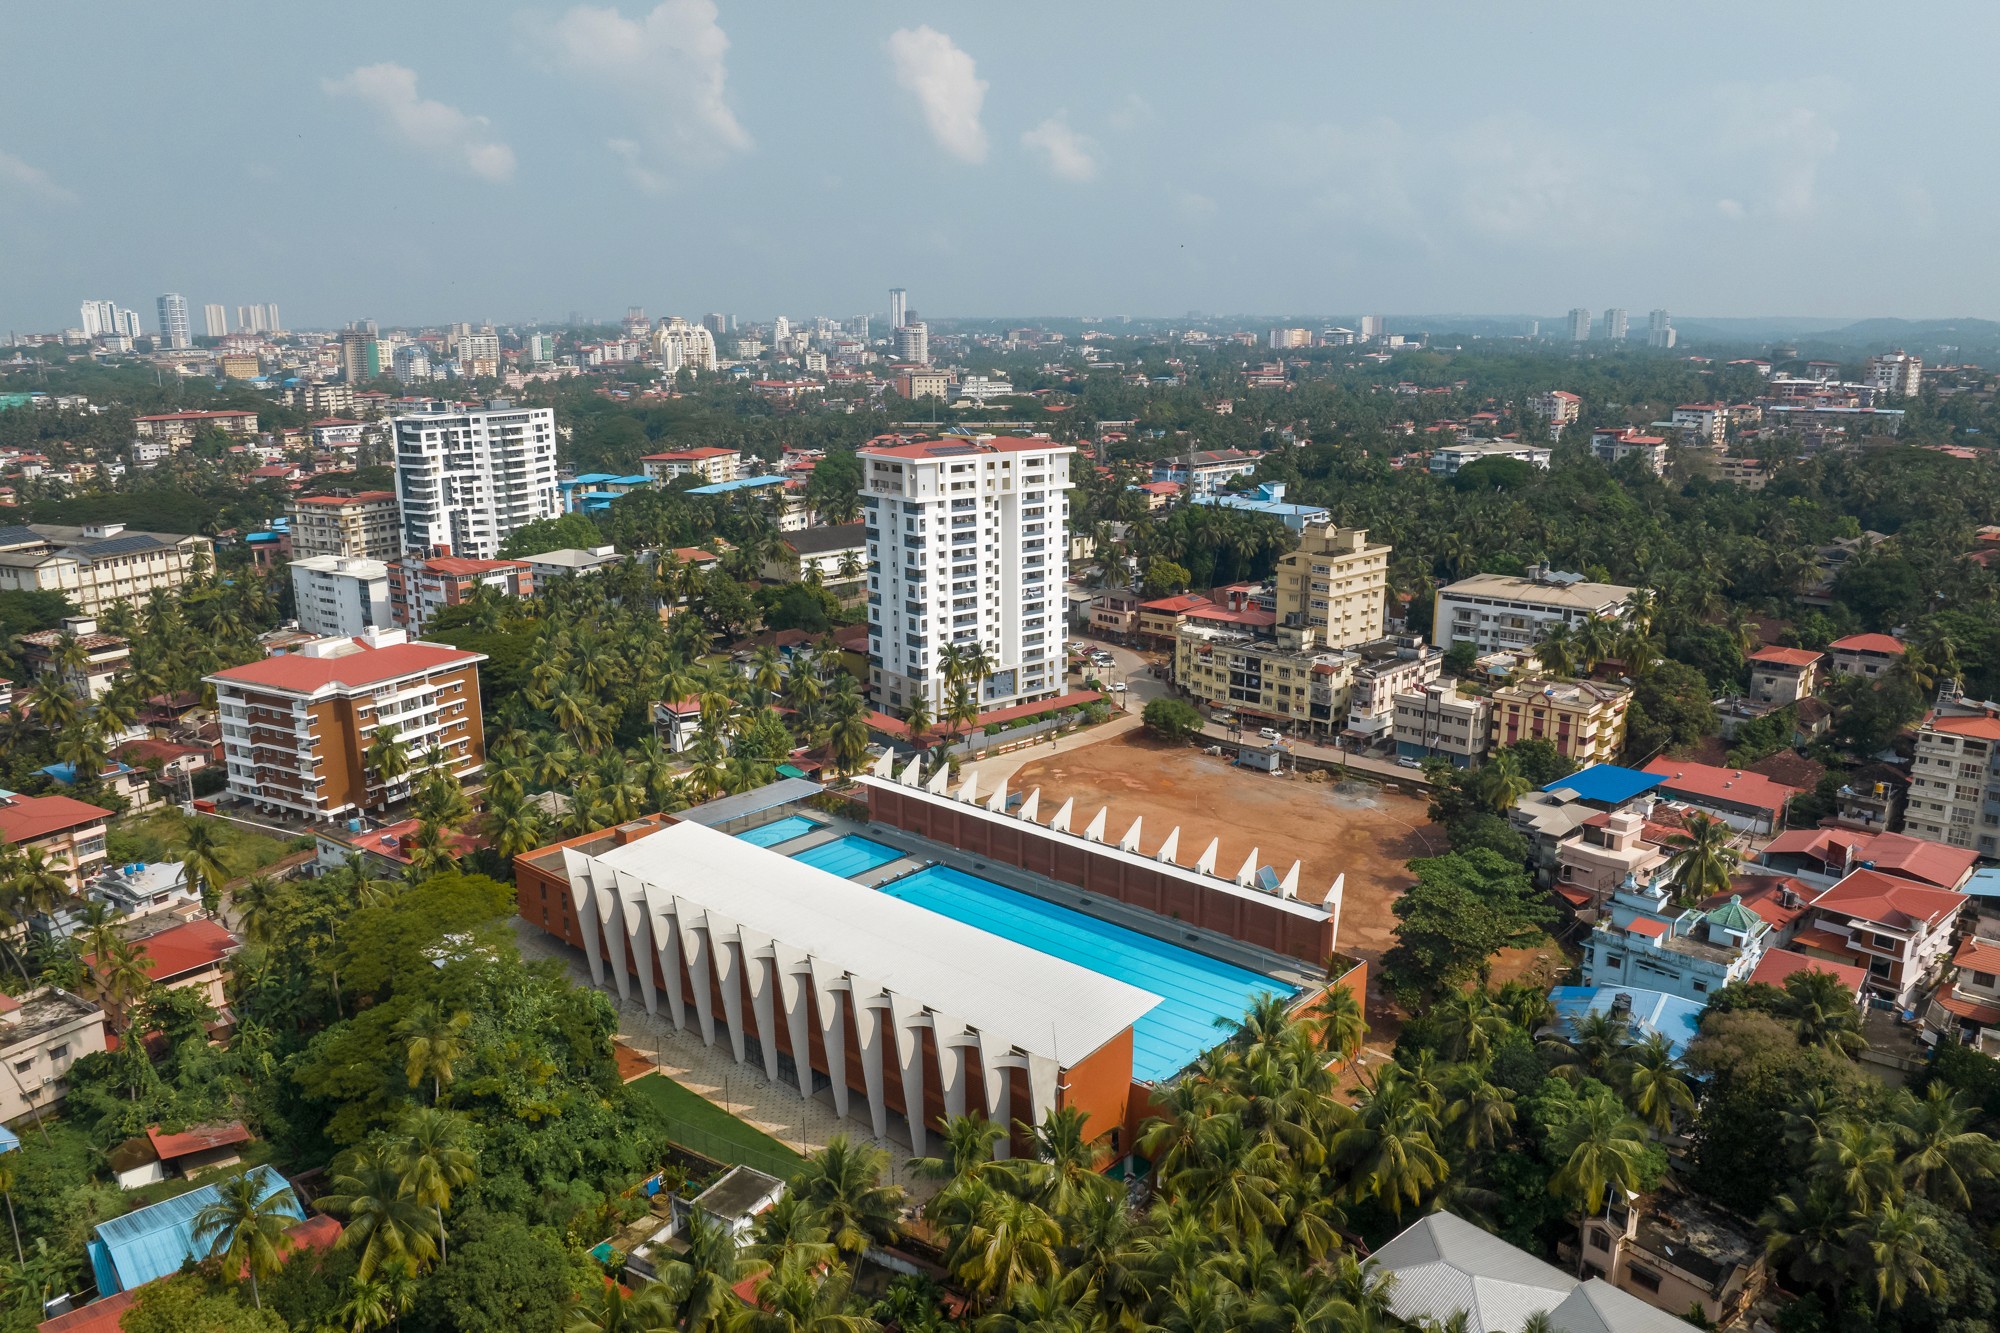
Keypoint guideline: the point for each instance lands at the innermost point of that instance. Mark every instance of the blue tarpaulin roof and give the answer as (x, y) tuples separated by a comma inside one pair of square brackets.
[(741, 483), (153, 1242), (1676, 1019), (9, 1140), (1607, 783)]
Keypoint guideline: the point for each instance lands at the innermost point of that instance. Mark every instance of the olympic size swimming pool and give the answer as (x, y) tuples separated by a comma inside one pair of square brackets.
[(1194, 989), (849, 856), (782, 830)]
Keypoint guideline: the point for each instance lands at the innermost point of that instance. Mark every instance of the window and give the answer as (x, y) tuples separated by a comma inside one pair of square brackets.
[(1599, 1239), (59, 1052), (1643, 1278), (1982, 978)]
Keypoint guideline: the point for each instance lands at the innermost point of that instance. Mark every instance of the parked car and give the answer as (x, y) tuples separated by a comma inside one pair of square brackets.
[(1406, 762), (1267, 733), (1116, 687)]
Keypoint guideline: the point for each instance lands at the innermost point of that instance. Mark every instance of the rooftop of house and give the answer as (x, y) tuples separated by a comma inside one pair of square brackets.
[(179, 950), (1695, 1238), (1778, 964), (1730, 786), (26, 818), (1900, 904), (1607, 784), (1868, 643), (1893, 853), (298, 673), (1791, 657)]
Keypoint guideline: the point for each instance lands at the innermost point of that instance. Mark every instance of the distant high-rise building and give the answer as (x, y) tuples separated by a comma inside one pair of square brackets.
[(250, 319), (412, 363), (683, 346), (541, 347), (479, 353), (913, 343), (899, 307), (1370, 328), (100, 318), (781, 329), (216, 317), (1533, 328), (1284, 339), (1579, 325), (717, 324), (1614, 325), (175, 331), (1896, 372), (271, 324), (1659, 329), (360, 357), (466, 480)]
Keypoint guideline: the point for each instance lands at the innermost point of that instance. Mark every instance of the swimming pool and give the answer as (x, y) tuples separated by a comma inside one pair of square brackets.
[(782, 830), (849, 856), (1194, 989)]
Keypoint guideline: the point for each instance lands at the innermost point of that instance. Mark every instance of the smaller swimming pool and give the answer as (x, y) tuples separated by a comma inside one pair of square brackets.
[(780, 830), (849, 856)]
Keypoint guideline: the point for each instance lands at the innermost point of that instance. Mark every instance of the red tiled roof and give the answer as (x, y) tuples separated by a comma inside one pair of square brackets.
[(1798, 657), (1764, 895), (1647, 927), (1868, 643), (1255, 616), (1573, 896), (1739, 787), (367, 666), (185, 948), (461, 565), (1777, 964), (1159, 487), (1889, 900), (890, 726), (1983, 1014), (201, 1138), (1979, 955), (955, 448), (1815, 937), (693, 555), (137, 752), (100, 1316), (1983, 728), (196, 416), (1180, 605), (1892, 853), (26, 818)]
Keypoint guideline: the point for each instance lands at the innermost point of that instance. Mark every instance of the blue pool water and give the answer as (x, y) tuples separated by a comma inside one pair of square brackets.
[(849, 856), (1195, 989), (782, 830)]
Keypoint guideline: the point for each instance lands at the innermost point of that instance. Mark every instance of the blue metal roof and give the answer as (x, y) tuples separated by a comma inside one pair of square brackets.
[(9, 1140), (741, 483), (1675, 1018), (153, 1242), (1607, 783), (1983, 884)]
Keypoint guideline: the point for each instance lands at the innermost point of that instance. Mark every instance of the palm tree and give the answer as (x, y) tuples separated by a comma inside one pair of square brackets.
[(1343, 1027), (917, 720), (1595, 1049), (1896, 1240), (1860, 1161), (1391, 1143), (843, 1181), (794, 1299), (245, 1227), (961, 711), (200, 852), (612, 1311), (1808, 1236), (767, 672), (1065, 1170), (1557, 649), (1942, 1153), (1823, 1011), (7, 1192), (1602, 1149), (388, 758), (435, 1161), (1005, 1242), (968, 1147), (791, 1229), (368, 1306), (1702, 860), (1657, 1089), (1470, 1024), (383, 1215), (120, 977), (1503, 782), (701, 1283), (434, 1043), (255, 901)]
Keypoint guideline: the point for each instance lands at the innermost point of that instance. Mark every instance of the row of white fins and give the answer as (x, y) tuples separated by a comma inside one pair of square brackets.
[(968, 793)]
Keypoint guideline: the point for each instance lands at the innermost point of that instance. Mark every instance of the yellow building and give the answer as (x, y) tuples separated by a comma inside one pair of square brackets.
[(1583, 719), (1336, 584), (1290, 680)]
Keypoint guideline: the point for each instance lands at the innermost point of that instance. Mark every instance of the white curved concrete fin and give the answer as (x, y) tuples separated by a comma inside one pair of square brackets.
[(997, 802), (1205, 863), (968, 791), (1130, 842), (1031, 806), (1095, 832), (911, 770), (939, 780), (1043, 1074), (1170, 849), (1247, 876), (831, 1005), (1060, 824), (1289, 888), (884, 766)]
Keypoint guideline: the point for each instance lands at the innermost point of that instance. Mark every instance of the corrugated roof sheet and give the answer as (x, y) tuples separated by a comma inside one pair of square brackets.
[(153, 1242), (768, 797)]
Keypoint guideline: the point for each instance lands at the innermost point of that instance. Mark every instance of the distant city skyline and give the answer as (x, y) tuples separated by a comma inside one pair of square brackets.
[(532, 160)]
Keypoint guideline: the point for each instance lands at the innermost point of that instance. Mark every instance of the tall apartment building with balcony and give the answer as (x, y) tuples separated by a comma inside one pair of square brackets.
[(968, 545), (466, 480), (1955, 781), (1336, 583), (296, 729), (366, 525)]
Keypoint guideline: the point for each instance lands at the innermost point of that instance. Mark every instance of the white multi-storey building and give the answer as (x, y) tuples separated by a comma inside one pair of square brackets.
[(913, 343), (1579, 325), (1615, 324), (1896, 372), (899, 307), (968, 547), (683, 346), (465, 480), (338, 594), (175, 331), (216, 319), (1502, 611), (1955, 779)]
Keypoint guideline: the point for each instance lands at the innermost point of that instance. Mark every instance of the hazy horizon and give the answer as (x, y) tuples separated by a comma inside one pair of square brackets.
[(421, 165)]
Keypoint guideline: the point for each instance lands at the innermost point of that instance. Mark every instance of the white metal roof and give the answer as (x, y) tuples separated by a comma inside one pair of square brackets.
[(1032, 1000)]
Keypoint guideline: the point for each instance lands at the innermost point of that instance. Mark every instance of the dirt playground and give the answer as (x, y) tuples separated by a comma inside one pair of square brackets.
[(1330, 828)]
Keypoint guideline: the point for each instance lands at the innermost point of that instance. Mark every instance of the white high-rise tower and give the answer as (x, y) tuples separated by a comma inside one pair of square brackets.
[(899, 306), (175, 332), (465, 480)]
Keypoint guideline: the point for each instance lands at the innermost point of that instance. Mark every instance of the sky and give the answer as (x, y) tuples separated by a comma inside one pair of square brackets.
[(425, 162)]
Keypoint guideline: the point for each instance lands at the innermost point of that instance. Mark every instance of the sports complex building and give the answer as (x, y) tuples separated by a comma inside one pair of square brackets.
[(942, 952)]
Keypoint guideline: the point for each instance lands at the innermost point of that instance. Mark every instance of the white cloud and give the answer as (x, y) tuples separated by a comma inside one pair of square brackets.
[(947, 86), (1065, 152), (433, 128), (19, 178), (1775, 138), (668, 68)]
